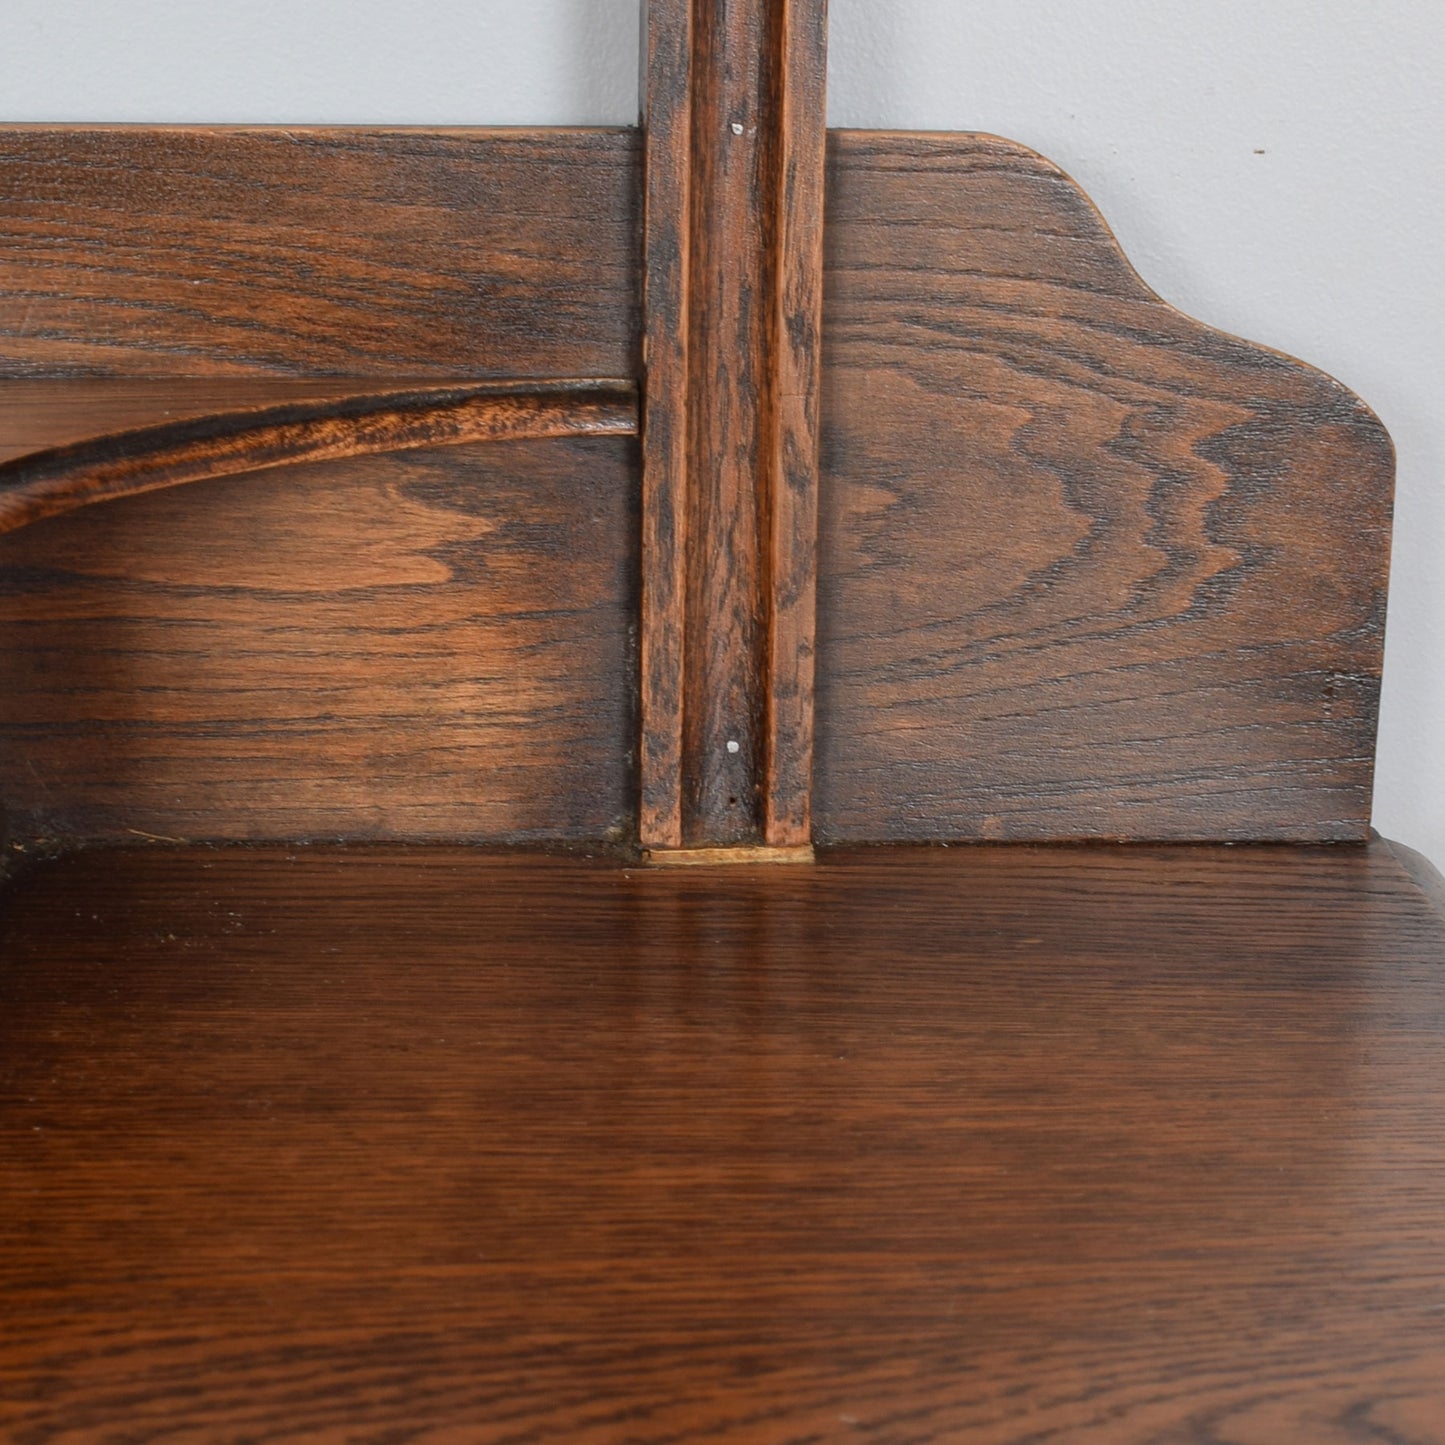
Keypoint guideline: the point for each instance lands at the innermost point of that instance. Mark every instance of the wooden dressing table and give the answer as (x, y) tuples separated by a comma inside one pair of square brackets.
[(1037, 1046)]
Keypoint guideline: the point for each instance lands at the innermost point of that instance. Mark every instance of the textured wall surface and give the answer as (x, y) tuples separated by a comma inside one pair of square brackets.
[(1274, 169)]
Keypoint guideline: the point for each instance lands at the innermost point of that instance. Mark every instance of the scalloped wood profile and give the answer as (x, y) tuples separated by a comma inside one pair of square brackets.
[(1085, 567), (103, 468), (983, 1144), (1088, 567)]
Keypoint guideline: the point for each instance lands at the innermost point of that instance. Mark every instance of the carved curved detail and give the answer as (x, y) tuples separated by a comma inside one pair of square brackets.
[(121, 464)]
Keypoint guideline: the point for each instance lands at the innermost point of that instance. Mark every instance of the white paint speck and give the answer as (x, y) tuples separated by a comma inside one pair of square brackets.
[(734, 747), (737, 127)]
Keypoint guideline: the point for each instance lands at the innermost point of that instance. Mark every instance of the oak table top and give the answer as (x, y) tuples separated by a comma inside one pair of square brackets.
[(1099, 1145)]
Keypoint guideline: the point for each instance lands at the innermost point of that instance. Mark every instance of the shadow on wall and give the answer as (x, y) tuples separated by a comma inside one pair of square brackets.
[(601, 51)]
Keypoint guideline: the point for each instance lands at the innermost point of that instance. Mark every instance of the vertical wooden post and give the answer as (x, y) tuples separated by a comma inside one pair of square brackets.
[(735, 156)]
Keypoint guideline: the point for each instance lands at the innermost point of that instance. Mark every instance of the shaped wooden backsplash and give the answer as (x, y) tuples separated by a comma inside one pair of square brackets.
[(1085, 568), (1088, 568)]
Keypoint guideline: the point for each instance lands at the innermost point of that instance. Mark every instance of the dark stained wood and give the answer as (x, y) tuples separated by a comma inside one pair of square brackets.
[(433, 644), (225, 251), (735, 124), (39, 413), (791, 439), (439, 644), (107, 467), (1088, 568), (1422, 870), (1112, 1146), (666, 443), (1098, 1145)]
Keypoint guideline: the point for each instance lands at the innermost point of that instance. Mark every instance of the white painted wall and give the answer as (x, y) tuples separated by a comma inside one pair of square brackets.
[(1272, 166)]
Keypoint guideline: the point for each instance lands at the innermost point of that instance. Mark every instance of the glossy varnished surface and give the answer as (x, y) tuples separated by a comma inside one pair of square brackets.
[(1000, 1146)]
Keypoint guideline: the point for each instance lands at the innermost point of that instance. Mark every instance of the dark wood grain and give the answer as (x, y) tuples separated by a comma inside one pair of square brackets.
[(1106, 1146), (666, 442), (1429, 878), (434, 644), (37, 413), (1088, 568), (735, 124), (791, 439), (365, 422), (225, 251), (1112, 1146)]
